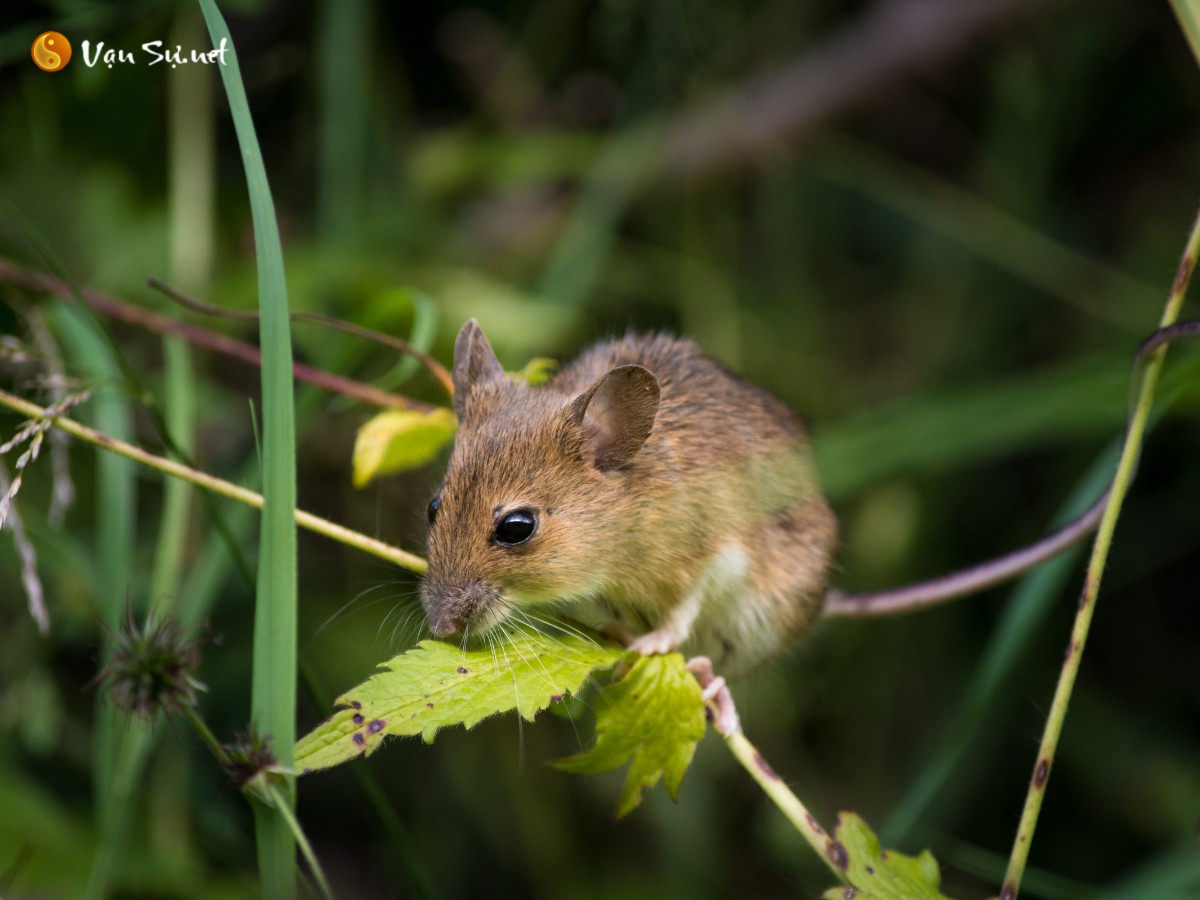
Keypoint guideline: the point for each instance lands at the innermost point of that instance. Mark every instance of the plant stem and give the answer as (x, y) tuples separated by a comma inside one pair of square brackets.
[(206, 735), (227, 489), (285, 809), (1095, 571), (42, 283), (789, 804)]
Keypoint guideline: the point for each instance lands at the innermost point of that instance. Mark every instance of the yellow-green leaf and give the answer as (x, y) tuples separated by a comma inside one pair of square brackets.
[(537, 371), (436, 684), (652, 719), (877, 874), (400, 439)]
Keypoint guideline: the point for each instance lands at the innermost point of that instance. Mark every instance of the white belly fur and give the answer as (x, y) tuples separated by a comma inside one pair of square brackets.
[(730, 619)]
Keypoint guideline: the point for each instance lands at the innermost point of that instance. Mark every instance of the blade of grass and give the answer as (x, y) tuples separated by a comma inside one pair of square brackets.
[(191, 204), (1173, 875), (114, 549), (956, 428), (1024, 614), (985, 230), (343, 38), (1188, 14), (273, 692)]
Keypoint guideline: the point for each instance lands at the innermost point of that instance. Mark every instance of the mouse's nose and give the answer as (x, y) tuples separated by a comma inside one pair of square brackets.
[(450, 607)]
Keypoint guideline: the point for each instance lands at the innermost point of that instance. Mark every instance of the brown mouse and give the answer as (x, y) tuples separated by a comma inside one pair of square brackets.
[(648, 485), (644, 482)]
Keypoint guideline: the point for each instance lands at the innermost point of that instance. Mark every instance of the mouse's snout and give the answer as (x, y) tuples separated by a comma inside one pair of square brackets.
[(450, 608)]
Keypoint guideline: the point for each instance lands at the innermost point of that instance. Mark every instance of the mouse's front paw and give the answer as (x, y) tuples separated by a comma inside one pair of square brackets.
[(657, 641)]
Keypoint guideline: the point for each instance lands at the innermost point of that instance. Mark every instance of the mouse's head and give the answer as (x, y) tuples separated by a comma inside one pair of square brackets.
[(533, 501)]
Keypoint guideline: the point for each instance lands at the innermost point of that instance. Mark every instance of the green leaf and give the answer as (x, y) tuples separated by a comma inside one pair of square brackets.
[(436, 685), (652, 719), (537, 371), (877, 874), (400, 439)]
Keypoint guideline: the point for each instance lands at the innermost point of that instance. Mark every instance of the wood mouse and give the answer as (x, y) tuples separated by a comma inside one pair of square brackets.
[(648, 484), (644, 481)]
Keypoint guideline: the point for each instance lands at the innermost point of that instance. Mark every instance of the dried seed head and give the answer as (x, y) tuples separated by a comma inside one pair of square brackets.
[(150, 666), (248, 757)]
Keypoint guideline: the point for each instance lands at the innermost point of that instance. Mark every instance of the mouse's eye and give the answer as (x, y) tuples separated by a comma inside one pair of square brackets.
[(515, 527), (431, 512)]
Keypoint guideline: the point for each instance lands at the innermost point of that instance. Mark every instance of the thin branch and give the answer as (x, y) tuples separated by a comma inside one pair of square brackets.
[(216, 485), (43, 283), (435, 368), (1091, 586), (831, 852)]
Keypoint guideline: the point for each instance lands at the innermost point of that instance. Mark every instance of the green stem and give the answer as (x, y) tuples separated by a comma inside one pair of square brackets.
[(270, 792), (789, 804), (206, 735), (219, 486), (285, 809), (1095, 571)]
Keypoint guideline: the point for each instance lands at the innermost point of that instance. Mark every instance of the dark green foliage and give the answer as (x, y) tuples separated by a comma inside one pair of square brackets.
[(949, 280)]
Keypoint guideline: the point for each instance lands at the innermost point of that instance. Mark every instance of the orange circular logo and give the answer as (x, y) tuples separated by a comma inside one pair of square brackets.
[(51, 51)]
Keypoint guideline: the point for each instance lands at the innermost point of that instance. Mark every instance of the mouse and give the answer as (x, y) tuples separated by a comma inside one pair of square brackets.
[(645, 484), (649, 489)]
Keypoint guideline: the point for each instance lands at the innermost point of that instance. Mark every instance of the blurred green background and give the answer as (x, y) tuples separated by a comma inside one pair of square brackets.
[(939, 229)]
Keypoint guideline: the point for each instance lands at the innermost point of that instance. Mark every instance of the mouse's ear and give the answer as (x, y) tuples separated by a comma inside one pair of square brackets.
[(474, 364), (615, 415)]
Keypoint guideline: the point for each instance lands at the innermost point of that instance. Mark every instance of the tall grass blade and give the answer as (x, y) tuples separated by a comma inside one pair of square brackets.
[(1188, 13), (273, 693), (1027, 610), (114, 549)]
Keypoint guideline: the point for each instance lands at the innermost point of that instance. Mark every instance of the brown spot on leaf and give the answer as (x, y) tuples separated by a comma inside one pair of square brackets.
[(376, 726), (356, 704), (556, 698), (1041, 773), (358, 719), (870, 870), (1009, 891), (462, 670), (429, 705), (359, 739), (850, 893), (814, 824), (837, 855), (765, 767)]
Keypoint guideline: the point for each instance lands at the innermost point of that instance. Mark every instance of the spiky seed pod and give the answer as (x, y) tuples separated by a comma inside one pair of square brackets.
[(150, 666), (248, 757)]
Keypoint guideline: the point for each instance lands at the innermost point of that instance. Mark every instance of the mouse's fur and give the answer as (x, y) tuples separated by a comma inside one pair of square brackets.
[(666, 490)]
